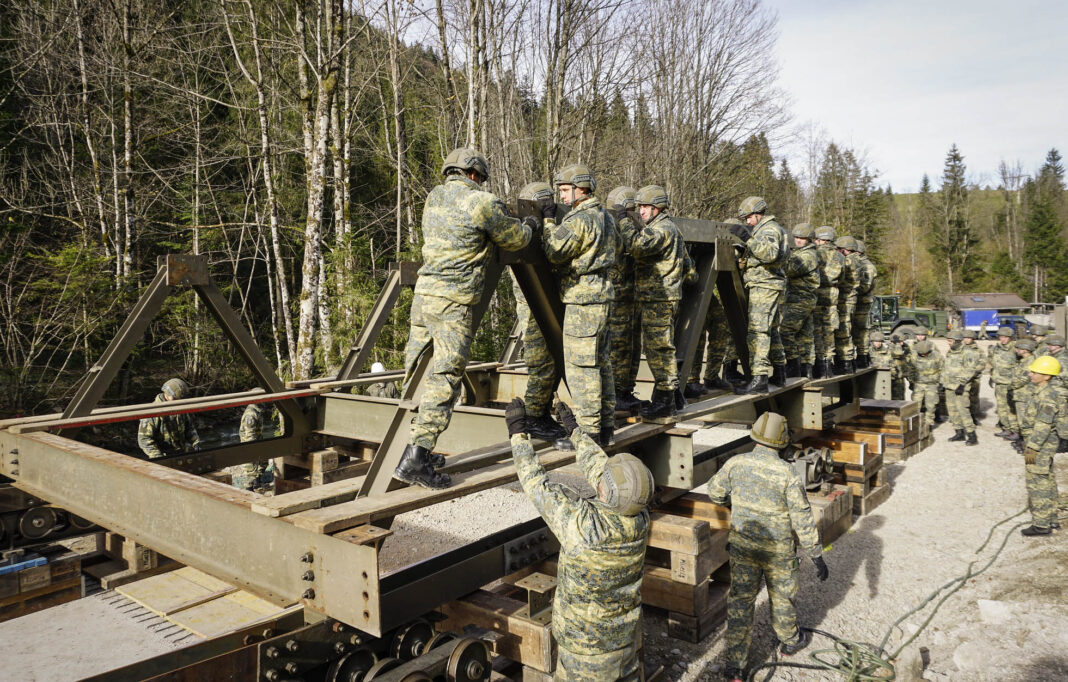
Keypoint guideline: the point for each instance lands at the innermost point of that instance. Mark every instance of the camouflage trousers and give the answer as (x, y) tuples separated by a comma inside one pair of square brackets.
[(587, 366), (522, 310), (442, 327), (1006, 412), (1042, 493), (797, 329), (712, 344), (765, 318), (779, 571), (859, 325), (973, 399), (897, 389), (658, 341), (843, 336), (614, 665), (927, 396), (957, 406), (251, 477), (825, 323), (624, 343)]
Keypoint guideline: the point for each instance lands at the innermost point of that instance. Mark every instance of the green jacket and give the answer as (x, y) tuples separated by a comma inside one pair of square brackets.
[(867, 273), (1043, 421), (597, 607), (461, 223), (622, 271), (831, 265), (883, 358), (766, 253), (167, 435), (925, 369), (802, 271), (659, 259), (961, 366), (583, 246), (1003, 360), (849, 281), (768, 504)]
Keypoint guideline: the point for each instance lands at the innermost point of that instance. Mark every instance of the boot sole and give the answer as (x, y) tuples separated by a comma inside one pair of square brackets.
[(669, 419), (411, 480)]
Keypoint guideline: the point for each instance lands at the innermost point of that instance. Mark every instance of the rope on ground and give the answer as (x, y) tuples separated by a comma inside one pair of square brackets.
[(861, 662)]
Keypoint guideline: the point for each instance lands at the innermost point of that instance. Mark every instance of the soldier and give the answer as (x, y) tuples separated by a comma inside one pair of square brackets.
[(740, 234), (659, 264), (719, 336), (925, 374), (461, 223), (768, 506), (537, 192), (382, 389), (978, 363), (867, 273), (957, 371), (898, 353), (597, 606), (765, 256), (583, 247), (1055, 349), (168, 434), (253, 476), (848, 286), (1002, 359), (1039, 333), (882, 357), (825, 315), (624, 327), (1044, 420), (802, 281), (1020, 392)]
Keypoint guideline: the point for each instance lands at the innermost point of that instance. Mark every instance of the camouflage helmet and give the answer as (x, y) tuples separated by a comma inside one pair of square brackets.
[(751, 205), (846, 242), (1026, 344), (1055, 340), (920, 329), (176, 389), (955, 335), (923, 347), (969, 334), (536, 191), (876, 336), (826, 233), (804, 231), (628, 484), (466, 159), (622, 196), (771, 429), (861, 249), (1039, 330), (1006, 331), (653, 195), (1046, 365), (576, 174)]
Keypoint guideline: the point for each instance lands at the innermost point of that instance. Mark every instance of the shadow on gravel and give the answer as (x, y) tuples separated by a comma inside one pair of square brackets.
[(816, 599), (1051, 667)]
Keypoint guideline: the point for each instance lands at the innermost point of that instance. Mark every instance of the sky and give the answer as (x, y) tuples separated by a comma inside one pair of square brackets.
[(902, 80)]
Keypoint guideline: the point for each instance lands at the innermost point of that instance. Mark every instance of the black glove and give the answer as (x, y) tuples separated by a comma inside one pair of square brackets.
[(821, 568), (1062, 445), (566, 417), (619, 213), (548, 208), (515, 416), (531, 222), (959, 390)]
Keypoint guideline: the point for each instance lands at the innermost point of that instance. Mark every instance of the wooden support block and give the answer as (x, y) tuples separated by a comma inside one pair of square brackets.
[(364, 535), (315, 462), (858, 473), (526, 641), (696, 628), (341, 473), (864, 505), (833, 513), (660, 590), (698, 506), (875, 441), (692, 569), (678, 533), (863, 488), (41, 598), (901, 409)]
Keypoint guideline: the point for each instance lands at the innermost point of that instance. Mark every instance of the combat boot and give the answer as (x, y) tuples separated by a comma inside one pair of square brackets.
[(548, 429), (848, 367), (717, 384), (1003, 433), (972, 439), (957, 436), (803, 639), (731, 373), (759, 384), (806, 370), (694, 390), (1013, 437), (1035, 530), (733, 674), (415, 469), (838, 367), (680, 399), (627, 402), (862, 361), (793, 367), (660, 406), (823, 369), (778, 375)]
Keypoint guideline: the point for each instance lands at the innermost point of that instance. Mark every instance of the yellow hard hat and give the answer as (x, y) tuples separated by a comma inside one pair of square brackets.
[(1046, 365)]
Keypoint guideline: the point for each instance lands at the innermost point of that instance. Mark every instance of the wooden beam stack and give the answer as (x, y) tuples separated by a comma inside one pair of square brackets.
[(899, 422)]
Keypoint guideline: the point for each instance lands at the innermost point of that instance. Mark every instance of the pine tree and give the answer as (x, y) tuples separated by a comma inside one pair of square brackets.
[(952, 237)]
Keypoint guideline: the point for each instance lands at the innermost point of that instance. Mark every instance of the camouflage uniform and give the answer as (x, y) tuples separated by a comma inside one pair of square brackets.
[(384, 389), (461, 224), (597, 607), (167, 435), (1021, 389), (253, 475), (897, 377), (978, 364), (718, 337), (584, 247), (802, 271), (522, 308), (847, 303), (766, 253), (866, 275), (659, 266), (1044, 418), (825, 315), (768, 505), (883, 358), (925, 372), (624, 326), (1003, 360), (957, 370)]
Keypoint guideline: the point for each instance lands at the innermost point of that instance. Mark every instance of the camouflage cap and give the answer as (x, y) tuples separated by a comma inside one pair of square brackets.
[(771, 429), (622, 196), (920, 329), (176, 389), (466, 159), (1006, 331), (652, 195), (536, 191), (955, 335), (861, 248), (804, 231), (576, 174), (969, 334), (628, 484), (751, 205), (846, 242), (923, 347), (826, 233), (1055, 340), (1039, 330), (1026, 344), (876, 336)]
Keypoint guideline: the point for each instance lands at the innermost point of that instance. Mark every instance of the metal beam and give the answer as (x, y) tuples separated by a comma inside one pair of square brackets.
[(372, 327)]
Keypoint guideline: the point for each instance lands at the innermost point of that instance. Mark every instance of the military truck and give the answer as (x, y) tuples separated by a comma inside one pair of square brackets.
[(890, 316)]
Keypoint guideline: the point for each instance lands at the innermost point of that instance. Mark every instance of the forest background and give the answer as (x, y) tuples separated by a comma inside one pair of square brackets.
[(293, 143)]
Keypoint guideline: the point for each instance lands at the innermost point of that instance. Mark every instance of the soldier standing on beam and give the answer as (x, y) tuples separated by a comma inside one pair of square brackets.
[(461, 223), (867, 273), (623, 320), (803, 279), (825, 317)]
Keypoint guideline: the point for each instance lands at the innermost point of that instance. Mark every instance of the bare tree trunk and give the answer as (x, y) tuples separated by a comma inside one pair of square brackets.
[(127, 146), (446, 68), (98, 192), (398, 120)]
